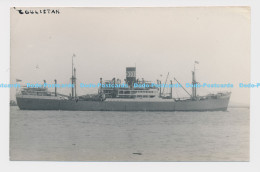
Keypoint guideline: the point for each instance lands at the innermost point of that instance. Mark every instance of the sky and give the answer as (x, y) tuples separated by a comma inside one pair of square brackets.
[(155, 40)]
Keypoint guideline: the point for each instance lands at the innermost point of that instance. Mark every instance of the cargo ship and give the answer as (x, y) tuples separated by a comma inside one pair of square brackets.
[(151, 97)]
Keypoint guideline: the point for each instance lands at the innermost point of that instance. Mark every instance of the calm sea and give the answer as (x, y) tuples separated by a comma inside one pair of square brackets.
[(129, 136)]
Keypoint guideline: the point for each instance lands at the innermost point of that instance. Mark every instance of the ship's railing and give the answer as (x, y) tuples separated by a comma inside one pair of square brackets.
[(136, 93), (36, 93)]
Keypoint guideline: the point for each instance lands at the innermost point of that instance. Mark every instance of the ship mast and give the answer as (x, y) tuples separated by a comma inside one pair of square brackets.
[(194, 82), (75, 82), (72, 77), (171, 90)]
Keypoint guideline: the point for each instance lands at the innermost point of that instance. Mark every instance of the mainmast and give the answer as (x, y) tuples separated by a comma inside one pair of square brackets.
[(194, 82)]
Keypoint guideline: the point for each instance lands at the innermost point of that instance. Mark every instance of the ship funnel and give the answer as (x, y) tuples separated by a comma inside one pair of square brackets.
[(130, 75)]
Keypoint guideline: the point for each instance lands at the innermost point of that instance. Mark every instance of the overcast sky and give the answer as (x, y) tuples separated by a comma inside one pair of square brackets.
[(156, 40)]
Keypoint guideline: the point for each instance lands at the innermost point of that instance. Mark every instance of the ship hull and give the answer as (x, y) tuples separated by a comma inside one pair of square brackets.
[(36, 103)]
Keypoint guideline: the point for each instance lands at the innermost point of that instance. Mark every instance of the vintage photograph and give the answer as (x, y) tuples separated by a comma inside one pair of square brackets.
[(166, 84)]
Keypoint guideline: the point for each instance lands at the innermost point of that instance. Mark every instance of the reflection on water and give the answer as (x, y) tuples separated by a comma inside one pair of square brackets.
[(130, 136)]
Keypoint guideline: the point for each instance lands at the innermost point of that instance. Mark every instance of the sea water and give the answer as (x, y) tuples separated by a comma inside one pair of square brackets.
[(129, 136)]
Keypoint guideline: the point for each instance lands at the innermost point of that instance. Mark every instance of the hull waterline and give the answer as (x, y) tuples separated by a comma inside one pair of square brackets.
[(34, 103)]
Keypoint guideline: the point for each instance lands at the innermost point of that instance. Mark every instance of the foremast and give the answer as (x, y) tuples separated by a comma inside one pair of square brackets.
[(73, 79)]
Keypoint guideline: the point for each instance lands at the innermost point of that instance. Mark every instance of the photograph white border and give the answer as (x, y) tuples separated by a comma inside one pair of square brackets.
[(28, 166)]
